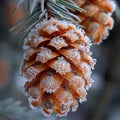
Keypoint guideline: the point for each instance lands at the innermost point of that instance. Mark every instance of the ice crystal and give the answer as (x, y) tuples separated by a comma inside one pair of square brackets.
[(74, 55), (44, 55), (28, 53), (91, 81), (64, 109), (77, 81), (58, 43), (51, 29), (82, 100), (82, 92), (85, 49), (50, 84), (30, 100), (65, 97), (61, 66), (86, 69), (31, 73), (34, 92), (75, 108), (37, 40), (72, 35), (45, 114)]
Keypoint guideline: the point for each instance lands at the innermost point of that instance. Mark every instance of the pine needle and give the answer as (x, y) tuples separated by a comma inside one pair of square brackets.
[(36, 12)]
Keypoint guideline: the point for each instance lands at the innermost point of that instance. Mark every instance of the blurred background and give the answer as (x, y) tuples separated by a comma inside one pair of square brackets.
[(103, 100)]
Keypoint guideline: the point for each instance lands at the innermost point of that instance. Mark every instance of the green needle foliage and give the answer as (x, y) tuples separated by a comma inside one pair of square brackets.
[(39, 9)]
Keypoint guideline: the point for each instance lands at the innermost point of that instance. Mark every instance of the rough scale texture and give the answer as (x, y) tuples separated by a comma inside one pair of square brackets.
[(57, 66), (97, 19)]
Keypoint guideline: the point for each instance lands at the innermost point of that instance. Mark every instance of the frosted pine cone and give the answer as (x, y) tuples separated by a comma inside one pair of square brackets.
[(97, 19), (57, 65)]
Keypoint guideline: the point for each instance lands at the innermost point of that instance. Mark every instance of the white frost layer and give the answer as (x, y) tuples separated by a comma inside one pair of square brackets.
[(58, 42), (51, 28), (85, 49), (77, 81), (49, 84), (83, 93), (61, 66), (65, 98), (91, 81), (86, 69), (75, 108), (54, 22), (47, 115), (28, 53), (44, 55), (83, 100), (30, 100), (34, 92), (32, 36), (31, 73), (64, 110), (74, 55), (72, 35)]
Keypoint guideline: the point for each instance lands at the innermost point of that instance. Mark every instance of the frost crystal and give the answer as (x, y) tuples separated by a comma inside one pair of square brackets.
[(28, 53), (86, 69), (65, 97), (58, 43), (82, 92), (30, 100), (31, 73), (61, 66), (77, 81), (33, 39), (87, 39), (72, 35), (30, 36), (75, 107), (45, 114), (64, 109), (36, 41), (91, 81), (85, 49), (26, 45), (83, 100), (51, 28), (74, 55), (64, 24), (34, 92), (49, 84), (92, 61), (44, 55)]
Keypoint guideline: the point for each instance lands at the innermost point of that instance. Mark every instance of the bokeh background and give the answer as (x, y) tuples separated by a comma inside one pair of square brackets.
[(103, 100)]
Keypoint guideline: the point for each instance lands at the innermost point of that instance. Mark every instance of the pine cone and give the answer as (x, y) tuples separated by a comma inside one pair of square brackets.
[(57, 65), (97, 19)]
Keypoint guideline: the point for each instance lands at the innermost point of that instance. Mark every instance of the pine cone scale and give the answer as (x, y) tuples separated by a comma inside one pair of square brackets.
[(97, 11), (55, 66)]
